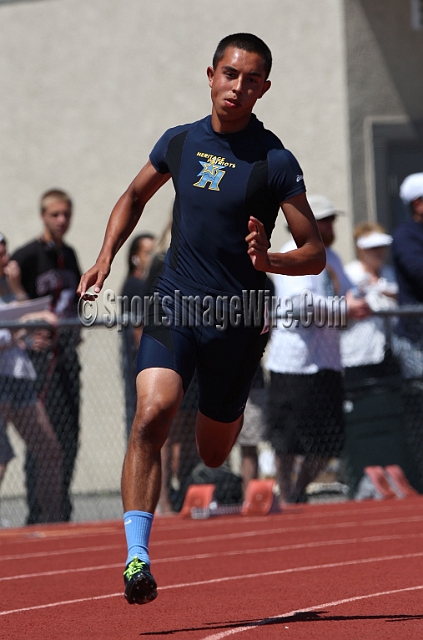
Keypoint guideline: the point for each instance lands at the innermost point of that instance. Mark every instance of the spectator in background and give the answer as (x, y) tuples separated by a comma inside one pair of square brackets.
[(407, 253), (6, 452), (157, 261), (139, 256), (10, 290), (306, 388), (18, 401), (50, 267), (365, 344)]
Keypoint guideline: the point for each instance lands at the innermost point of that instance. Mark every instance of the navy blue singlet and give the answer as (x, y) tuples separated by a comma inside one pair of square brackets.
[(219, 180)]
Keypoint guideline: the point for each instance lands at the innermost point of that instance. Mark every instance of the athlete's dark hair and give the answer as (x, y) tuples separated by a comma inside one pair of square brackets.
[(135, 247), (54, 194), (246, 42)]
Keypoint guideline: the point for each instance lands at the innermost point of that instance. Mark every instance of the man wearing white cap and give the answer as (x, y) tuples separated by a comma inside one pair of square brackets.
[(407, 252), (306, 389)]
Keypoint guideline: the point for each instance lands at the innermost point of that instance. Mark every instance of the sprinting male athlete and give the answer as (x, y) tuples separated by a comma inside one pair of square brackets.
[(230, 176)]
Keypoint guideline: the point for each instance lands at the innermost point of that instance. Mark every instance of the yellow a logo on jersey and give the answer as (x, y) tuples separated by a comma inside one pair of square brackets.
[(210, 174)]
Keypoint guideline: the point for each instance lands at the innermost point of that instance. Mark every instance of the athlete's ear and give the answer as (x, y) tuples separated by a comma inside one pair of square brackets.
[(210, 75), (266, 87)]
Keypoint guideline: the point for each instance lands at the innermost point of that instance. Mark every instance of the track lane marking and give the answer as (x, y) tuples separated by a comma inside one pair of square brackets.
[(334, 603), (292, 513), (74, 529), (61, 552), (284, 530), (328, 565), (205, 556)]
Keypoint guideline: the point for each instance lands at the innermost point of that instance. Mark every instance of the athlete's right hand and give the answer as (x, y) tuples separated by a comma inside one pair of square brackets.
[(93, 277)]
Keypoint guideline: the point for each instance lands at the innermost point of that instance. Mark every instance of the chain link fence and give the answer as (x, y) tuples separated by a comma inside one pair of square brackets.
[(63, 430), (79, 387)]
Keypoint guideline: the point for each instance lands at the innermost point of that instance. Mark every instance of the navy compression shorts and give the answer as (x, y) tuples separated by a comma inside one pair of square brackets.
[(183, 336)]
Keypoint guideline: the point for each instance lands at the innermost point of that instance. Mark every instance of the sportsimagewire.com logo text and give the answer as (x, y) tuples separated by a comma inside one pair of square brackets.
[(250, 309)]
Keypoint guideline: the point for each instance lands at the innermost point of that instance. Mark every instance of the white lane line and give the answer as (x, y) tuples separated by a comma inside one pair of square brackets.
[(59, 604), (334, 603), (171, 525), (58, 572), (284, 530), (165, 525), (62, 552), (215, 538), (205, 556), (182, 585)]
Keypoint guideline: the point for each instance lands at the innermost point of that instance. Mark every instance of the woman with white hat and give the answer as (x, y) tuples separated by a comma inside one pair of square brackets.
[(364, 343)]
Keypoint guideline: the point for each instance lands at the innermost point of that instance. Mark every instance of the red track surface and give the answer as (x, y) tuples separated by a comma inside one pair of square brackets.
[(344, 571)]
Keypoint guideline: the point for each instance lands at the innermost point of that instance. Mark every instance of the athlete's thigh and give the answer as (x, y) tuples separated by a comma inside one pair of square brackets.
[(226, 367), (159, 394), (168, 347)]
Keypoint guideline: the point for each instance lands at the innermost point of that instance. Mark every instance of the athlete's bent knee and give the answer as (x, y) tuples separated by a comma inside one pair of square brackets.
[(151, 426)]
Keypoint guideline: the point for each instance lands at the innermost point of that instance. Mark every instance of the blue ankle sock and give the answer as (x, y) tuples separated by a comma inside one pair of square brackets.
[(137, 531)]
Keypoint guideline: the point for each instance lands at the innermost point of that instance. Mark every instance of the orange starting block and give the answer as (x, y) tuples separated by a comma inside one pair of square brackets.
[(260, 499), (380, 481), (199, 497), (398, 481)]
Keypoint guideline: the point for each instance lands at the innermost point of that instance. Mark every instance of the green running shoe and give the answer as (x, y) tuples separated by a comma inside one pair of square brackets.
[(140, 586)]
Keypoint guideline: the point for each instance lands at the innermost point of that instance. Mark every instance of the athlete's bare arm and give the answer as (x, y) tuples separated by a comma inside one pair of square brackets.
[(310, 255), (122, 222)]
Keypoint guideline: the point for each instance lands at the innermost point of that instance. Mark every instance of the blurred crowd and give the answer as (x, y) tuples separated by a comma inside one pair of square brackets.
[(356, 330)]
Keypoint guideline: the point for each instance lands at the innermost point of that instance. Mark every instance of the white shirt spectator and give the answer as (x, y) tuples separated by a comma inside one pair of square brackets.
[(308, 349)]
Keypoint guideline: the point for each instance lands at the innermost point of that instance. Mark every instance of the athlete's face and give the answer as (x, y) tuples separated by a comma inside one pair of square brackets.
[(238, 81), (56, 218)]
